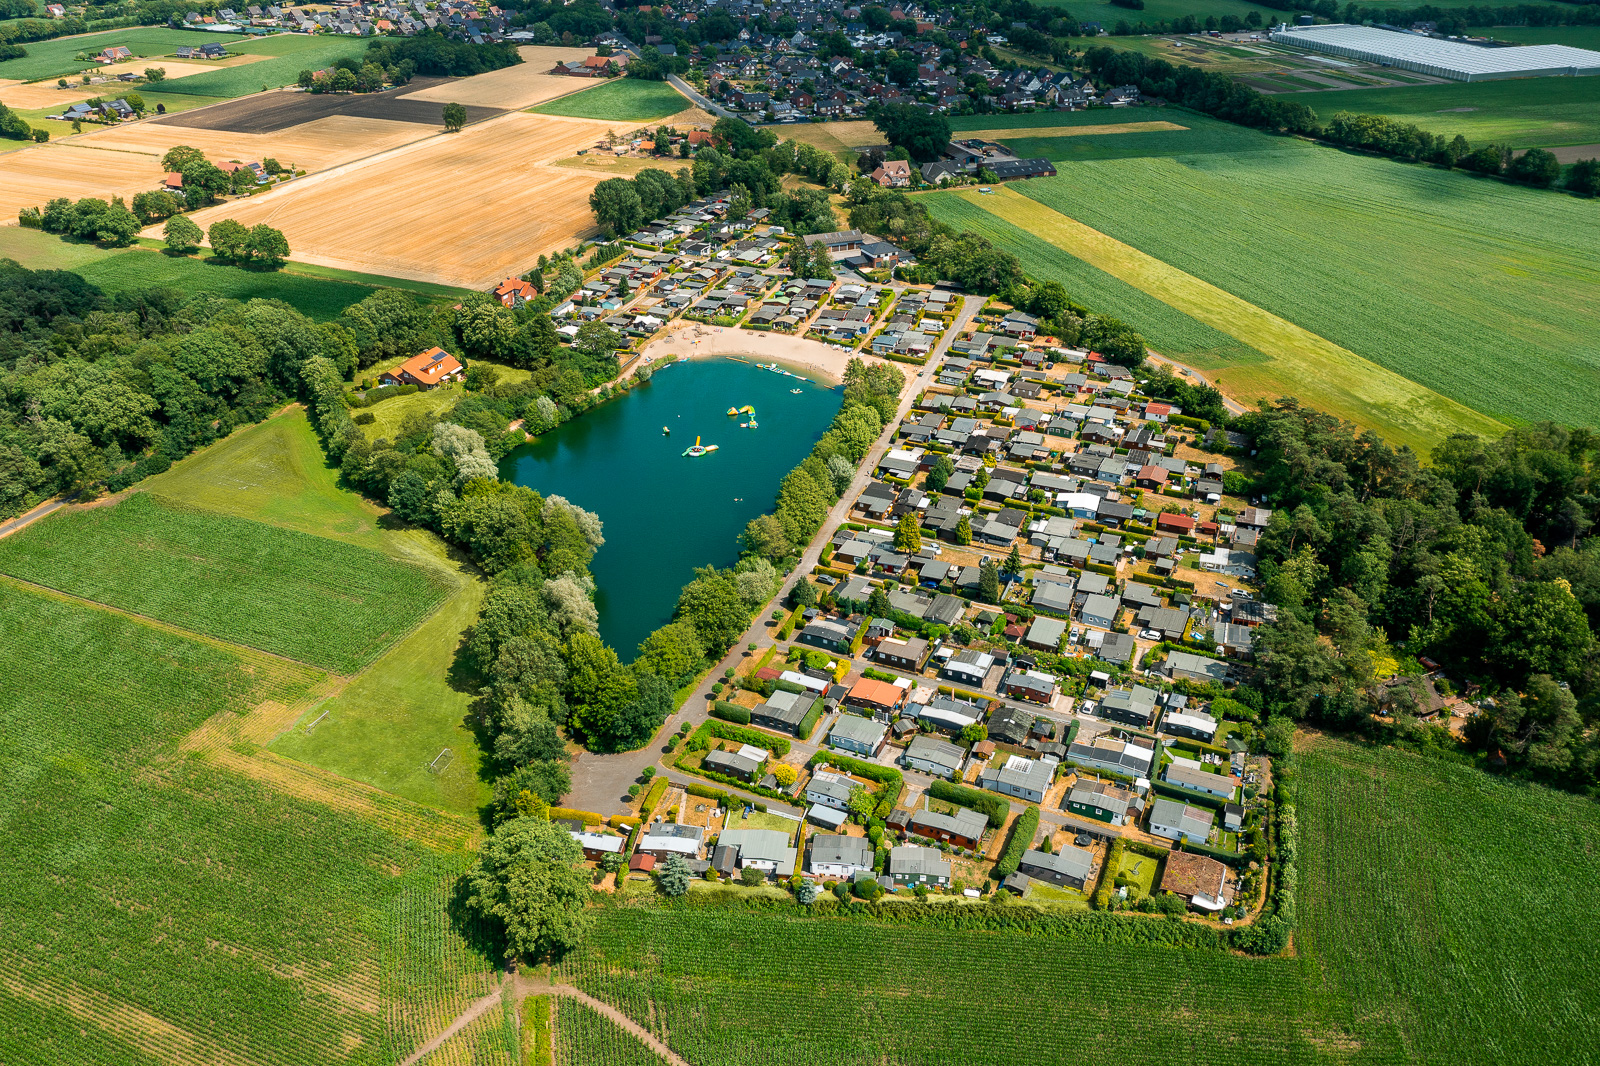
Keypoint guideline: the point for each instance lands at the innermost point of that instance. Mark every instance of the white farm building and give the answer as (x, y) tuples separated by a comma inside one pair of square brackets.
[(1442, 59)]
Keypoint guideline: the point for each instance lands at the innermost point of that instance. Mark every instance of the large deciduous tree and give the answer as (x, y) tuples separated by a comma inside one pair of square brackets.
[(529, 884)]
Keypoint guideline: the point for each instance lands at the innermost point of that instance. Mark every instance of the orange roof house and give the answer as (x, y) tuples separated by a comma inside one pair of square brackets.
[(1175, 523), (514, 291), (699, 137), (426, 370), (879, 695), (173, 182)]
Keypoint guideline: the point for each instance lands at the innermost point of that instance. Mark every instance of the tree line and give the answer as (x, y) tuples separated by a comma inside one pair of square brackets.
[(1403, 140)]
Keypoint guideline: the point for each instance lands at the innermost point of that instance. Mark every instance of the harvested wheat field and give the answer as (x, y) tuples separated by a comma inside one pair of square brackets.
[(311, 146), (524, 85), (36, 175), (459, 209), (836, 137)]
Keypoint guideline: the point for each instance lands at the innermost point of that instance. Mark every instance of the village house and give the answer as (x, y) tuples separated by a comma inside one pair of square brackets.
[(1199, 879), (863, 737), (964, 828), (840, 857), (933, 756), (1101, 800), (1070, 866), (910, 865), (1172, 820), (426, 370)]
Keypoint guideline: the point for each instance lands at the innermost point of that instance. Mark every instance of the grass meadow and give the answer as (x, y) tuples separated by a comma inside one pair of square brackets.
[(310, 599), (160, 908), (1521, 112), (1443, 918), (307, 53), (318, 292), (57, 58), (391, 721), (619, 100)]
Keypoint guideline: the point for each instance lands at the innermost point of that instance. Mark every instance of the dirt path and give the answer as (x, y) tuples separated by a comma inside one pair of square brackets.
[(464, 1019)]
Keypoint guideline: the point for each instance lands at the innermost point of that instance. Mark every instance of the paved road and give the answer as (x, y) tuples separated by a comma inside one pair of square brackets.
[(695, 97), (600, 782), (32, 516), (1233, 406)]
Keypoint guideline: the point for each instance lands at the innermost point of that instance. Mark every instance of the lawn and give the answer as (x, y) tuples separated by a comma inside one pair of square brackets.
[(763, 820), (51, 59), (1252, 353), (619, 100), (1521, 112), (313, 53), (320, 601), (161, 909), (390, 415), (1139, 871)]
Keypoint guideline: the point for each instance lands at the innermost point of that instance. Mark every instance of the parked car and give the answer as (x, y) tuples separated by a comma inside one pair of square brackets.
[(1149, 634)]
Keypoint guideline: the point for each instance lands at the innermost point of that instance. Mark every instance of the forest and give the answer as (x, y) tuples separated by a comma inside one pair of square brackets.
[(1481, 562)]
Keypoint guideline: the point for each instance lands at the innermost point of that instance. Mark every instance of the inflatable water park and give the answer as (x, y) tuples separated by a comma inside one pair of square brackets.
[(697, 449)]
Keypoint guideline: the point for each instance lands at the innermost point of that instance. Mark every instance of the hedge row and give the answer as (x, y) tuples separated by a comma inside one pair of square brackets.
[(730, 712), (1235, 859), (987, 803), (657, 788), (872, 771), (1021, 840), (779, 746), (808, 724), (587, 817), (723, 799)]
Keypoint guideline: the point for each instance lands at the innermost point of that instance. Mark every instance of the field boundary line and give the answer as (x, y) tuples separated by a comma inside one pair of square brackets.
[(243, 650), (473, 1012)]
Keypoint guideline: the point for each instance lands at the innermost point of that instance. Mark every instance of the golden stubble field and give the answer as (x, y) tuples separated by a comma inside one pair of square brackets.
[(464, 209), (124, 160), (526, 85)]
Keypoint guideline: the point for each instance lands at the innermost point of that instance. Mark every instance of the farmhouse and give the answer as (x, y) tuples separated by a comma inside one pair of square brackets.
[(513, 292), (1198, 879), (1070, 866), (426, 370)]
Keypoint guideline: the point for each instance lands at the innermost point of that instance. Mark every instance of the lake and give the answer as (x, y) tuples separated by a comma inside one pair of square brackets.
[(665, 513)]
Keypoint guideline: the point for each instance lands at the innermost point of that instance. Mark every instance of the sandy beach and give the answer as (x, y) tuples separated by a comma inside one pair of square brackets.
[(698, 341)]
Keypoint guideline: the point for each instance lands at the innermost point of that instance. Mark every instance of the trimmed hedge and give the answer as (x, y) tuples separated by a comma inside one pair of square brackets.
[(587, 817), (808, 724), (996, 807), (730, 712), (1021, 840), (779, 746), (658, 788), (1237, 860), (723, 799), (887, 775)]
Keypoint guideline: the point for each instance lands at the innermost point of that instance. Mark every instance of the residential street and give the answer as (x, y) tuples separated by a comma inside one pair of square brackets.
[(600, 782)]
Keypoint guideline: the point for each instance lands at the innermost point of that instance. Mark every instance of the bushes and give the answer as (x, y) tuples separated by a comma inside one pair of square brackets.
[(657, 788), (996, 807), (586, 817), (730, 712), (723, 799), (886, 775), (1021, 839)]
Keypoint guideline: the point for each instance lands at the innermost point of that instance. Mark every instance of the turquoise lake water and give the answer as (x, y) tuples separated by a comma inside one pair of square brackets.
[(663, 513)]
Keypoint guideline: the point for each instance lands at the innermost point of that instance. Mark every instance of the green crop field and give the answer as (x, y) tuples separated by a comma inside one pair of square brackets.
[(1201, 135), (1521, 112), (584, 1037), (620, 100), (311, 599), (282, 69), (1496, 310), (1431, 896), (1575, 36), (1434, 893), (161, 909)]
